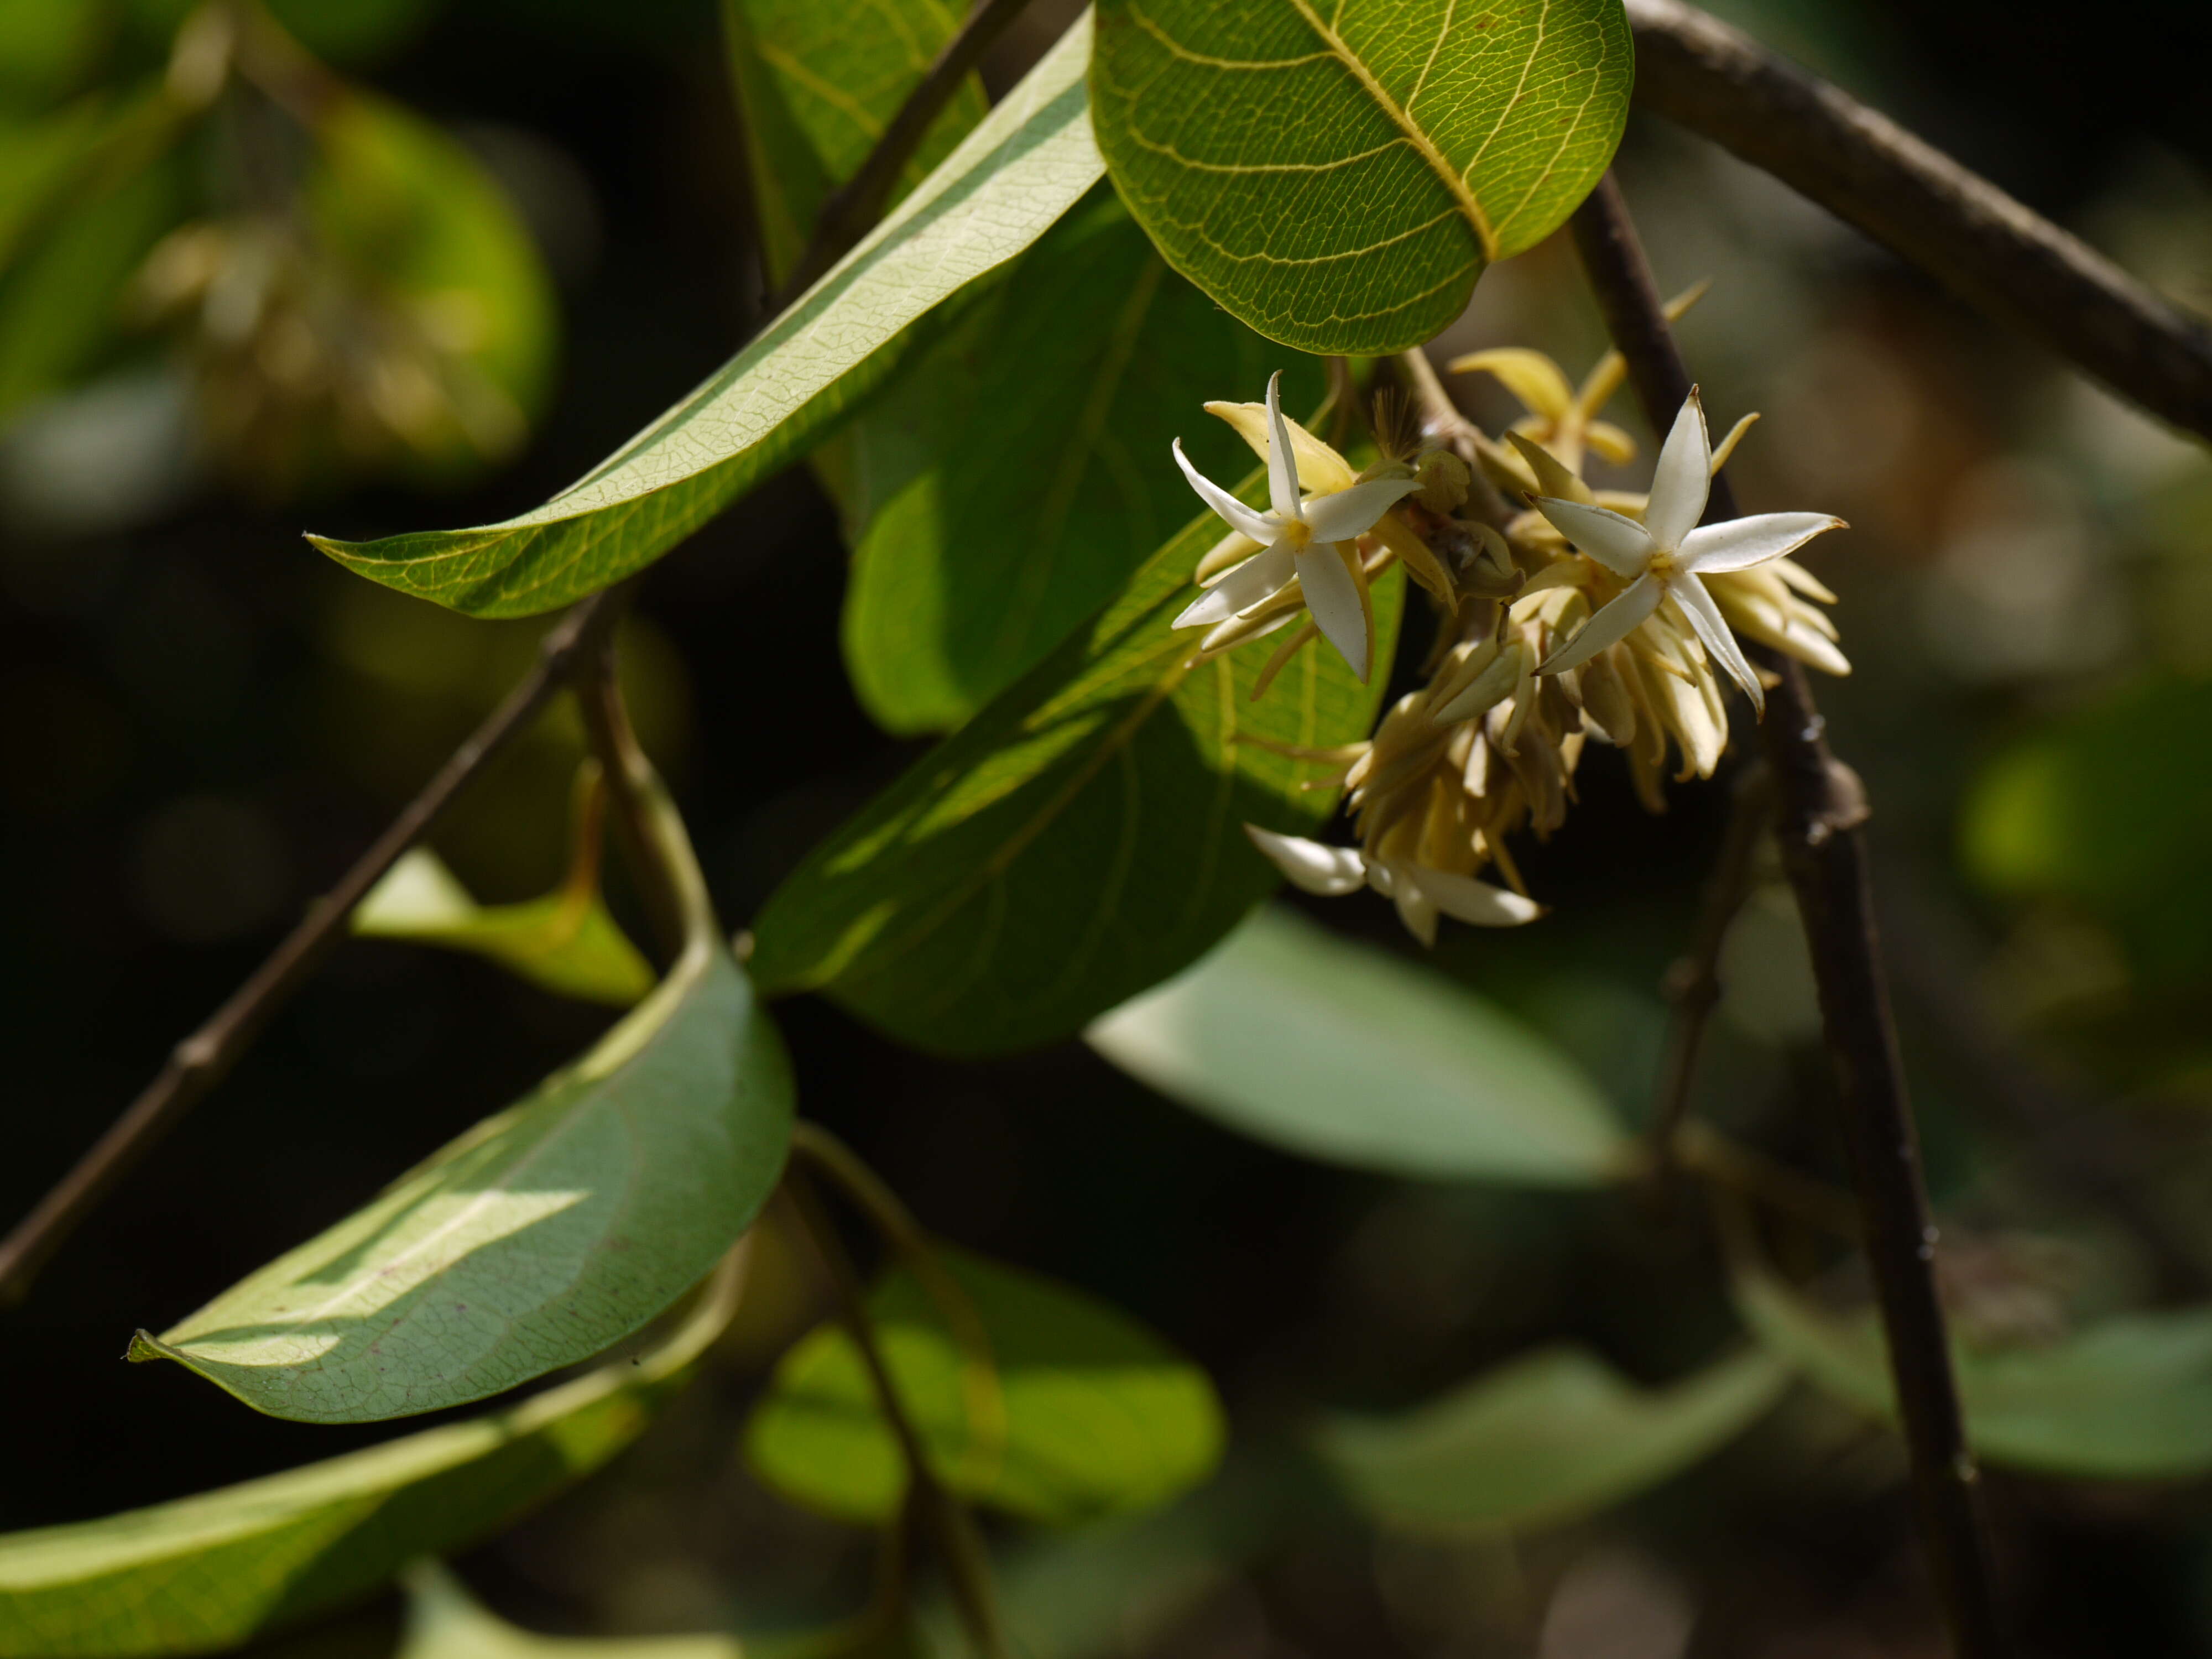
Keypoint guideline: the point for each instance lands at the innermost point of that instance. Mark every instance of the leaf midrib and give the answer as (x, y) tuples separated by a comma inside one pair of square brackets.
[(1416, 135)]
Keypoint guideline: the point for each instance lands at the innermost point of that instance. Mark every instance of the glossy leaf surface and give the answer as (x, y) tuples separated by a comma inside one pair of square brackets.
[(1338, 172), (1339, 1051), (208, 1571), (544, 1235), (566, 942), (1078, 841), (1016, 172), (1018, 470), (1544, 1438), (2127, 1399), (1092, 1414)]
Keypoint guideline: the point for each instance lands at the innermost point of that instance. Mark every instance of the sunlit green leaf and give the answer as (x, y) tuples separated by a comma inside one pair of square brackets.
[(2127, 1398), (817, 86), (566, 942), (1338, 174), (1016, 172), (538, 1238), (1018, 471), (1092, 1414), (1542, 1439), (1079, 840), (1339, 1051), (207, 1572)]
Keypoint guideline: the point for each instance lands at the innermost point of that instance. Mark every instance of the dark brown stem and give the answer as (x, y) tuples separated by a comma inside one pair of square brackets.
[(1693, 984), (629, 776), (949, 1526), (1819, 812), (1994, 253), (202, 1060), (855, 206)]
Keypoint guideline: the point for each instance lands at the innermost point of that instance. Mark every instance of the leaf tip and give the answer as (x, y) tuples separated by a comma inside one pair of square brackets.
[(145, 1346)]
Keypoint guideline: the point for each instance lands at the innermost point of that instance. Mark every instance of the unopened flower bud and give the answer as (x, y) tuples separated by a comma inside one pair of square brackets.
[(1444, 479)]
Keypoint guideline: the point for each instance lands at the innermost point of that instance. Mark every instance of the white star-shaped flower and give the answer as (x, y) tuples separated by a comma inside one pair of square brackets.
[(1421, 893), (1663, 558), (1297, 539)]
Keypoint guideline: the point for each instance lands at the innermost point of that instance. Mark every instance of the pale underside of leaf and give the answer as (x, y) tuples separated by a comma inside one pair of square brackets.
[(1542, 1439), (1339, 1051)]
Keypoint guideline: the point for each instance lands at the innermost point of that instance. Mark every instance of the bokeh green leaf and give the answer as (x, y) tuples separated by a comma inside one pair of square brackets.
[(208, 1571), (1338, 176), (1092, 1415), (1547, 1438), (444, 1621), (1339, 1051), (1015, 173), (2129, 1398), (541, 1237), (1079, 840)]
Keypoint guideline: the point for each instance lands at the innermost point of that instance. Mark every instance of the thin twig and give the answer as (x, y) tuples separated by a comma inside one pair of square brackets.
[(202, 1060), (1693, 983), (950, 1527), (629, 776), (1819, 810), (855, 206), (1993, 251)]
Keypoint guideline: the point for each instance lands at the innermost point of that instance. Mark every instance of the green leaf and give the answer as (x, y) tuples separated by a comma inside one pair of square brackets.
[(1076, 842), (2127, 1399), (1015, 173), (1542, 1439), (444, 1621), (1338, 174), (1093, 1415), (1341, 1052), (1016, 472), (566, 941), (541, 1237), (817, 86), (208, 1571)]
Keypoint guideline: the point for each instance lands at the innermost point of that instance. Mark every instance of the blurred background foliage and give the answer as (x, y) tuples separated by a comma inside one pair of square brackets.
[(386, 262)]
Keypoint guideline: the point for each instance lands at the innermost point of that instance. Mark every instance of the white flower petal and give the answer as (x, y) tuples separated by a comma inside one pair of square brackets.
[(1238, 516), (1681, 478), (1415, 908), (1353, 511), (1312, 867), (1283, 491), (1334, 599), (1743, 542), (1612, 623), (1264, 573), (1713, 632), (1475, 902), (1620, 543)]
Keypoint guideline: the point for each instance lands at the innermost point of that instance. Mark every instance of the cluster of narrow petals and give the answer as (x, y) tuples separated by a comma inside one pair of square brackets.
[(1593, 618)]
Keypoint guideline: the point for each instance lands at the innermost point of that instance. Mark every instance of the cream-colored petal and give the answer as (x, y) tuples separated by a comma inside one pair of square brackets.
[(1802, 579), (1713, 632), (1713, 549), (1489, 686), (1531, 376), (1610, 441), (1283, 490), (1727, 446), (1224, 556), (1332, 597), (1353, 511), (1609, 627), (1475, 902), (1553, 476), (1682, 476), (1266, 572), (1620, 544), (1320, 467), (1232, 512), (1415, 908), (1310, 866)]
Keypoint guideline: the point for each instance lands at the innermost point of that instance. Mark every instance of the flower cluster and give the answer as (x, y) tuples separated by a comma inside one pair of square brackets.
[(1588, 615)]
